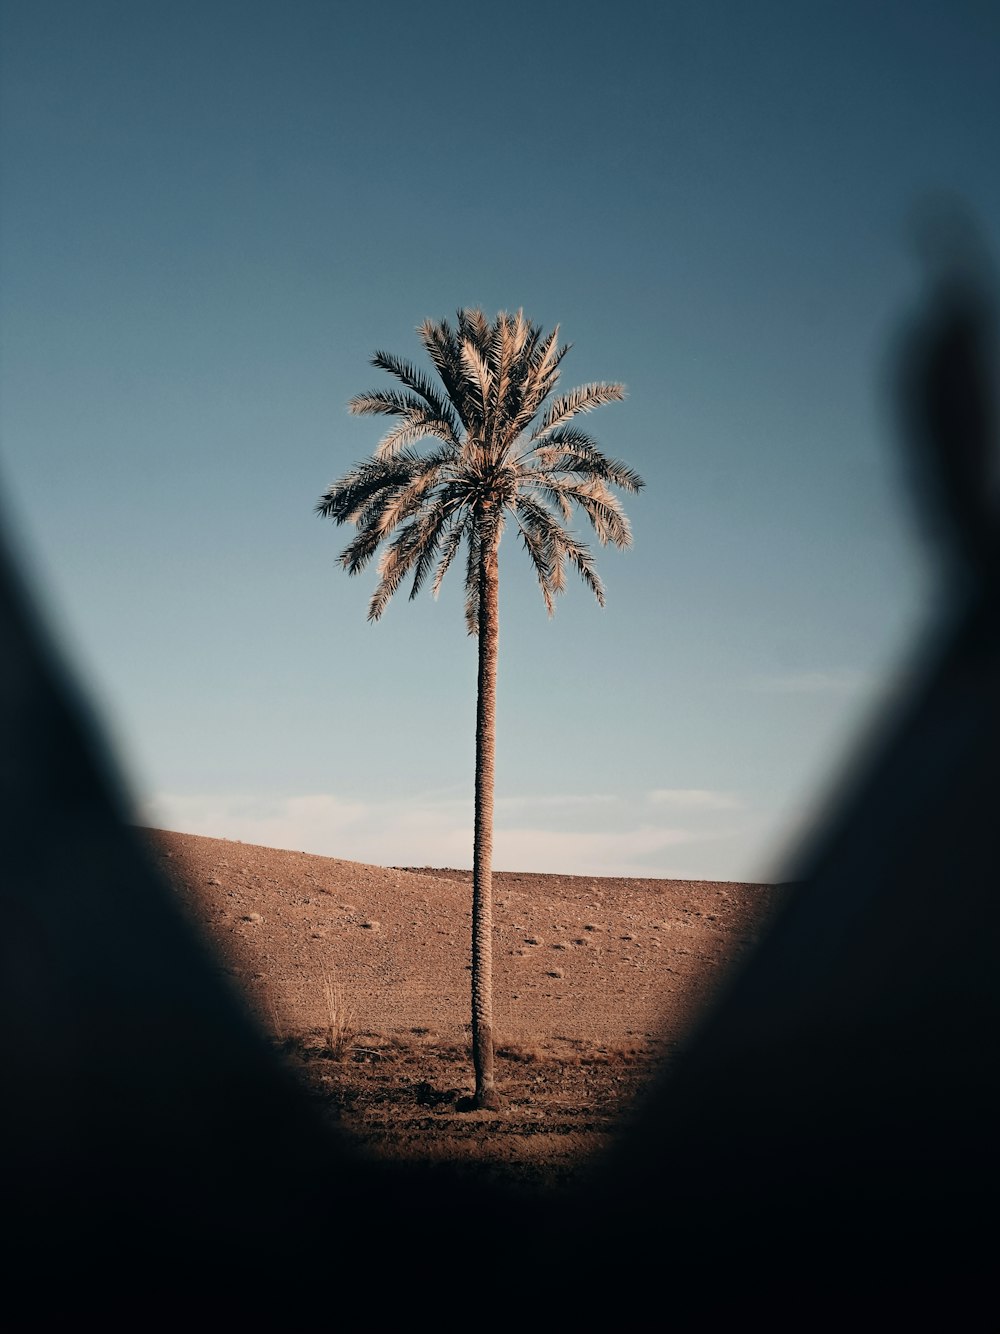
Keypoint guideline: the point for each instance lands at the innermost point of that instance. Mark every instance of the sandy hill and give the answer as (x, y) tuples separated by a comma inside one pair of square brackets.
[(597, 960)]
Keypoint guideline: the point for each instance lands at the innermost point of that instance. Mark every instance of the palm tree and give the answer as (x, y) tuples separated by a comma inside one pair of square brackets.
[(495, 454)]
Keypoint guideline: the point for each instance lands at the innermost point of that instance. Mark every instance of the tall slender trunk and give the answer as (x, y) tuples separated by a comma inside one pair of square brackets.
[(482, 864)]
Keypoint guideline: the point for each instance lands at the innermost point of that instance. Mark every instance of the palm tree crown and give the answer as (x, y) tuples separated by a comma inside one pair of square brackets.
[(498, 454)]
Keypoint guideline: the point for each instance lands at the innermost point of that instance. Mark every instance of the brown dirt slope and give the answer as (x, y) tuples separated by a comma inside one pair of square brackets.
[(594, 959)]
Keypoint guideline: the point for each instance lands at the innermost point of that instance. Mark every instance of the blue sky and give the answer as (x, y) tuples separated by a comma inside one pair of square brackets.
[(212, 214)]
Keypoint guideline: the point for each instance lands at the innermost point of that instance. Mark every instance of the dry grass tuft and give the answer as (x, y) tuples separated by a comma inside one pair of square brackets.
[(339, 1031)]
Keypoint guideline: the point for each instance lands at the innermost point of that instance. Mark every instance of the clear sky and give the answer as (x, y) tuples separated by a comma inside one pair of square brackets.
[(212, 213)]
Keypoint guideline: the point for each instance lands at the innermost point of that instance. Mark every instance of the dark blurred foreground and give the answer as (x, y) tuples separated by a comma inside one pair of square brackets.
[(824, 1152)]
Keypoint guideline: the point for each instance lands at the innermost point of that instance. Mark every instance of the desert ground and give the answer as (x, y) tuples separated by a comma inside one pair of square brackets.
[(359, 975)]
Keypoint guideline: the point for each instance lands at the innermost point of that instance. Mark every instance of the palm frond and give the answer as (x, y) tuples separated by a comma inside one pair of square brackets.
[(545, 528), (561, 546), (418, 475), (385, 403), (548, 484), (538, 516), (541, 559), (472, 562), (403, 504), (343, 501), (583, 399), (416, 380), (548, 355), (449, 548), (394, 564), (441, 346), (479, 377), (474, 327), (581, 556), (571, 450), (541, 373), (427, 543), (506, 343), (601, 506), (356, 555), (420, 423)]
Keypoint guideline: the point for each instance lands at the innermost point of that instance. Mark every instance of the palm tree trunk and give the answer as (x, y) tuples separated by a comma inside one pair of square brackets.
[(482, 864)]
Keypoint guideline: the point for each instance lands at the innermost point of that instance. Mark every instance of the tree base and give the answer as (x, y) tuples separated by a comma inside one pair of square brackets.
[(486, 1101)]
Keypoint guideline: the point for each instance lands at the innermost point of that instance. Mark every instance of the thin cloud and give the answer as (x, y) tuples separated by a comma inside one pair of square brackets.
[(427, 831), (567, 802), (812, 683), (418, 832), (628, 852), (693, 799)]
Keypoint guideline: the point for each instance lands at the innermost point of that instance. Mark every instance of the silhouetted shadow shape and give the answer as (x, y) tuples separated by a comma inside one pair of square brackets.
[(824, 1146), (831, 1128)]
